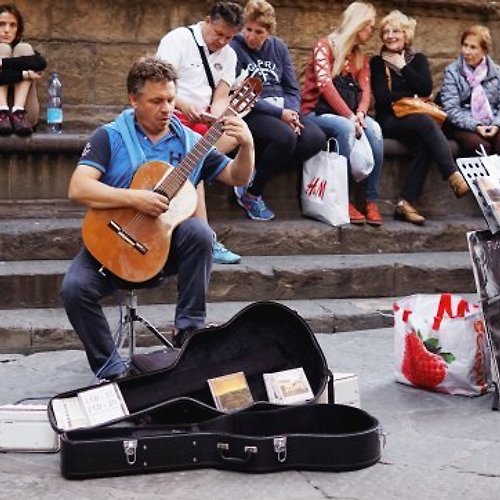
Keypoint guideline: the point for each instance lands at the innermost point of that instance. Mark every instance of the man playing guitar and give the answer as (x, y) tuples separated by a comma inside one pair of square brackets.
[(102, 181)]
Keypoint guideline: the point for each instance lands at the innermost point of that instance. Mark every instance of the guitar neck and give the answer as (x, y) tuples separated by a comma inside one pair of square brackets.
[(179, 175)]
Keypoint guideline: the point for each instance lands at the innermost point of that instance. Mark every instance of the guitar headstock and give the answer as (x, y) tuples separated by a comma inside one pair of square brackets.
[(245, 95)]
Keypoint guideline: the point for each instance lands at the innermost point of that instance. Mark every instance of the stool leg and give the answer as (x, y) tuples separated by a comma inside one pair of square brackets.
[(132, 312), (131, 317)]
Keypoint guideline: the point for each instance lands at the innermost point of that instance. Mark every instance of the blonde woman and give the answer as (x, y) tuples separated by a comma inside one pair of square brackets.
[(399, 72), (342, 114)]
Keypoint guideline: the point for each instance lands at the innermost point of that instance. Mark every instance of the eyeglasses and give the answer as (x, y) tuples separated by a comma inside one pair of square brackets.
[(392, 31)]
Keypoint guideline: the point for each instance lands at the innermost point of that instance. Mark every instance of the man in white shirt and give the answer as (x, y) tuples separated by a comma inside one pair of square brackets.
[(202, 95)]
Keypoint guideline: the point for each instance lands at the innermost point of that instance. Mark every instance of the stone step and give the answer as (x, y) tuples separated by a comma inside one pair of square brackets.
[(35, 283), (38, 239), (33, 330), (35, 171)]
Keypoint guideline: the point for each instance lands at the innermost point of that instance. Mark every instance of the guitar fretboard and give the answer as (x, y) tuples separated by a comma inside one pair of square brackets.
[(170, 185)]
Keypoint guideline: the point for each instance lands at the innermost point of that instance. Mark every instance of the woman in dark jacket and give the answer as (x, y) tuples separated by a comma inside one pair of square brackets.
[(400, 72), (471, 94), (283, 138), (20, 68)]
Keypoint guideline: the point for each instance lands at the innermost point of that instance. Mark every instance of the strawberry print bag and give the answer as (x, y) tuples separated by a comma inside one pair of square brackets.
[(440, 344)]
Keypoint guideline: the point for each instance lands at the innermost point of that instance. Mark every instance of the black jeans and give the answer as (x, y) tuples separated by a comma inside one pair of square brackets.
[(277, 146), (427, 145)]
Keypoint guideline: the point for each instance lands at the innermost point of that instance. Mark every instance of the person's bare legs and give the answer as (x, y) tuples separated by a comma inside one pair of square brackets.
[(25, 96)]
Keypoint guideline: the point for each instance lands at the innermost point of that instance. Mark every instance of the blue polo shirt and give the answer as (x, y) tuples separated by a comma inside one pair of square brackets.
[(106, 152)]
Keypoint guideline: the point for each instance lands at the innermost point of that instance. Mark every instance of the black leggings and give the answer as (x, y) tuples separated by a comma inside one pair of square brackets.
[(427, 145), (277, 146)]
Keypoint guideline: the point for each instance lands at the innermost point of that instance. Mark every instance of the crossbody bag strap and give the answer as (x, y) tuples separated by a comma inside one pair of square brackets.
[(388, 76), (210, 78)]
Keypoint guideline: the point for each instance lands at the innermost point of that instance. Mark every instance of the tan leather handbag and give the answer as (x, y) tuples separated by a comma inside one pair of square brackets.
[(415, 105)]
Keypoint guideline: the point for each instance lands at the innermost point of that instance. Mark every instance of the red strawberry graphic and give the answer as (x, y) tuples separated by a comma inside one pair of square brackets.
[(423, 363)]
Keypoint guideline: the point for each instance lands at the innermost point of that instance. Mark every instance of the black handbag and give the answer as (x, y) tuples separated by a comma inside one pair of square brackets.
[(348, 88)]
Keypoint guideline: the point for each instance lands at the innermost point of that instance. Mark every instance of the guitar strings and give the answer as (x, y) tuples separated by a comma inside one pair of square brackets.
[(173, 182)]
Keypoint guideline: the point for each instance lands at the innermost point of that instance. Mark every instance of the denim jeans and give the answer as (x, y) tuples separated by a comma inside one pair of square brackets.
[(343, 130), (83, 288)]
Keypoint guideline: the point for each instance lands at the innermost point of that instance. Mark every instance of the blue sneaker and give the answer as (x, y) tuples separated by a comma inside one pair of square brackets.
[(221, 255), (255, 207)]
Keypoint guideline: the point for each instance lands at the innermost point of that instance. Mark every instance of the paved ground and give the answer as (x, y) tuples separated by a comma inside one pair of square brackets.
[(438, 447)]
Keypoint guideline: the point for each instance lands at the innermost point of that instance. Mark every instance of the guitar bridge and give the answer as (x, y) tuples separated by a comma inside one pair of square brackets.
[(127, 237)]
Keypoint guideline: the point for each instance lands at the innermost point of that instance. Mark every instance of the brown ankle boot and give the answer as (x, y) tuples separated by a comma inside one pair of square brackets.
[(458, 184), (408, 213)]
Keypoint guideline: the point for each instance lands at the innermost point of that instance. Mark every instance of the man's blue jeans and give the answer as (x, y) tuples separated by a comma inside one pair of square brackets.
[(83, 288)]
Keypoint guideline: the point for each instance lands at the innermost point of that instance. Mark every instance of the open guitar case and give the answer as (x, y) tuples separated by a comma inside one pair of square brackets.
[(173, 424)]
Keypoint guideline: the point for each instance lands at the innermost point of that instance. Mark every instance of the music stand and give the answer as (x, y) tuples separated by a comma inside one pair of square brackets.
[(472, 170)]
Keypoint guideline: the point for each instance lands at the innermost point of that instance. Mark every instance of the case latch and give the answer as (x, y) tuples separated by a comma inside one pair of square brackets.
[(130, 449), (280, 448)]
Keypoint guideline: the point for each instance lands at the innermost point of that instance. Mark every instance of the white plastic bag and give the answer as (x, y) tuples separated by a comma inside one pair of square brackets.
[(361, 158), (440, 344), (325, 190)]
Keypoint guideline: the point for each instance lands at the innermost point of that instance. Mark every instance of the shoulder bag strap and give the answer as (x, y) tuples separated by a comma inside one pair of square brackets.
[(210, 78), (388, 76)]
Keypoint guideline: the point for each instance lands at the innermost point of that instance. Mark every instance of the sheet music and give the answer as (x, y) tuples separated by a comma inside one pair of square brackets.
[(103, 403)]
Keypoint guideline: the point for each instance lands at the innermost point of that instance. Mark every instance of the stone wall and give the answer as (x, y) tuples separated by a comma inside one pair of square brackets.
[(92, 43)]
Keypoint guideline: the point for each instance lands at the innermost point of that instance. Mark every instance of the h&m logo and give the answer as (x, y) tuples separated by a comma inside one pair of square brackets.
[(316, 187)]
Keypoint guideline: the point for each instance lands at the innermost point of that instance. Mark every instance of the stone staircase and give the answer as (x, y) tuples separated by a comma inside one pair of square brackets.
[(339, 279)]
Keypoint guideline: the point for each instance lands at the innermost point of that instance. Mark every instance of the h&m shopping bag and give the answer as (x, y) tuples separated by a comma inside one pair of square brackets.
[(440, 344), (325, 191)]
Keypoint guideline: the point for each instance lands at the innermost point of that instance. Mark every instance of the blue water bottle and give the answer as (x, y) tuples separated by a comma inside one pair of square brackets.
[(54, 105)]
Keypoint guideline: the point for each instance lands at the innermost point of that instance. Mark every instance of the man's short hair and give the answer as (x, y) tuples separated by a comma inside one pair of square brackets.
[(149, 69), (229, 12)]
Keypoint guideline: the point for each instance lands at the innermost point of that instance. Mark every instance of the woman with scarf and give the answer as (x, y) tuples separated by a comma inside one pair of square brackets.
[(400, 72), (471, 94)]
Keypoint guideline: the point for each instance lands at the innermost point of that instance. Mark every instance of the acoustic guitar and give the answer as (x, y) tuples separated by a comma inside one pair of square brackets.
[(135, 246)]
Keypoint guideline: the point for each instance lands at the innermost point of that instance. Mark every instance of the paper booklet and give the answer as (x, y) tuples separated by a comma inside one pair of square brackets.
[(230, 392), (482, 174), (288, 386), (89, 408)]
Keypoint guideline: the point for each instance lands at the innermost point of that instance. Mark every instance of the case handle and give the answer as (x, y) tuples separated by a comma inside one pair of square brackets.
[(249, 451)]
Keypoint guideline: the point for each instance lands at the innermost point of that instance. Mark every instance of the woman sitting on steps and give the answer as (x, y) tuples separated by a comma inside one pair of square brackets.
[(337, 64), (400, 72), (20, 68)]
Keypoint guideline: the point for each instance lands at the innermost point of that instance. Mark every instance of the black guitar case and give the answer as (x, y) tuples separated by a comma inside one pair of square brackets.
[(184, 434), (264, 337)]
